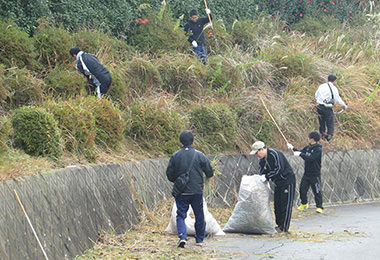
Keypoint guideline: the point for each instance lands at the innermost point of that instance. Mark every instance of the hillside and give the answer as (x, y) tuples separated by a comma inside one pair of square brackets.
[(160, 88)]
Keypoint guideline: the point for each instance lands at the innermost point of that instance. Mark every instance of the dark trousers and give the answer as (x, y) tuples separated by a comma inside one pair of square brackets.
[(326, 119), (283, 204), (183, 202), (315, 183), (201, 53)]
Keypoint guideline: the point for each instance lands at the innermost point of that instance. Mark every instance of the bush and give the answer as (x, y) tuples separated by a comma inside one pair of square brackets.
[(5, 133), (23, 88), (36, 132), (181, 74), (64, 83), (216, 124), (53, 45), (119, 90), (157, 33), (16, 47), (108, 121), (155, 125), (102, 44), (77, 125), (142, 76), (223, 75)]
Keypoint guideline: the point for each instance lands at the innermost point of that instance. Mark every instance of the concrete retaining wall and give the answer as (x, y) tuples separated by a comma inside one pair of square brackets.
[(68, 208)]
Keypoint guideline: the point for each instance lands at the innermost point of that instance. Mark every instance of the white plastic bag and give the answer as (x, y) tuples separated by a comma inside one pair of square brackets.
[(252, 213), (212, 226)]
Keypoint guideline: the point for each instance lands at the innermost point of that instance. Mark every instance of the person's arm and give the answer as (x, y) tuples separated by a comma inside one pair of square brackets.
[(206, 166), (188, 32), (338, 99), (170, 172), (273, 161)]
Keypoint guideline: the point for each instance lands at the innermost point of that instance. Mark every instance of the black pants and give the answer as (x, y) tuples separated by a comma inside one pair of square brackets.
[(326, 119), (315, 183), (283, 204)]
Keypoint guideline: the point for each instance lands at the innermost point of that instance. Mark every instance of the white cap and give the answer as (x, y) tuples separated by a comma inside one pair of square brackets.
[(257, 146)]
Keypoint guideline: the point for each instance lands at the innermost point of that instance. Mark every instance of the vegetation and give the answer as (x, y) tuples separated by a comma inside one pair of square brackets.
[(160, 88)]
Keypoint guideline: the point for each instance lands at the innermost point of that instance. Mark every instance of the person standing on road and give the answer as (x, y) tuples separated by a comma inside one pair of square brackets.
[(194, 30), (274, 166), (312, 155), (187, 159), (326, 95), (98, 77)]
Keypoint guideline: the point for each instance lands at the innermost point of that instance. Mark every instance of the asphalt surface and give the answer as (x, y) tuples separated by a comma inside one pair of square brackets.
[(349, 232)]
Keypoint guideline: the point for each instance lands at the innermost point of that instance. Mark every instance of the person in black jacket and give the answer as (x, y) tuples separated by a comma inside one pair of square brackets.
[(312, 155), (194, 30), (98, 77), (275, 167), (189, 159)]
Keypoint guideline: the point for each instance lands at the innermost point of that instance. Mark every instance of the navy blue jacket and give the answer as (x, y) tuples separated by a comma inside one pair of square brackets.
[(195, 30), (180, 162), (312, 154)]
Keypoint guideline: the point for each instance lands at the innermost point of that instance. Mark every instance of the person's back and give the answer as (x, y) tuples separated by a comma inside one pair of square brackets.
[(189, 161)]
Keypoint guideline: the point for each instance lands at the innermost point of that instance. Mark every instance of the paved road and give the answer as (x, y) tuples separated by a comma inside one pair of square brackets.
[(349, 232)]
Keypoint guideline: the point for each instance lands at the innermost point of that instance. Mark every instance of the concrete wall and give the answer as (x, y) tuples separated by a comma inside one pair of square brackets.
[(68, 208)]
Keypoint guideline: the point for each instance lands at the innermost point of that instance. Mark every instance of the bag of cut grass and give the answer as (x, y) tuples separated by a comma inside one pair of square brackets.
[(212, 226), (252, 213)]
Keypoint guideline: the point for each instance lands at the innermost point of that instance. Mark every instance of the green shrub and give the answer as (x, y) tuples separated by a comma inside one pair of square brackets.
[(216, 124), (156, 32), (108, 121), (155, 126), (5, 133), (223, 75), (16, 47), (102, 45), (119, 90), (36, 132), (77, 125), (53, 45), (141, 76), (23, 88), (64, 83), (316, 26), (181, 74)]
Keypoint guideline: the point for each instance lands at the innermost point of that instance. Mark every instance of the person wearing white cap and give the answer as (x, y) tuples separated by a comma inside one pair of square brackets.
[(275, 167)]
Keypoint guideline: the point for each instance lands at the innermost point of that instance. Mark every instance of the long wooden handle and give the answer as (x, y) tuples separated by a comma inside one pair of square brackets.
[(283, 136)]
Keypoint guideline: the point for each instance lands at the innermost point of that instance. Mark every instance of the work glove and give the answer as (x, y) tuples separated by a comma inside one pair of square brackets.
[(290, 146), (208, 11), (194, 43), (297, 153), (262, 178)]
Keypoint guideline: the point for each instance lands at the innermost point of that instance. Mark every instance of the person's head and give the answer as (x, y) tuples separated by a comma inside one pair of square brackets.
[(74, 51), (259, 149), (186, 138), (314, 137), (194, 15), (331, 78)]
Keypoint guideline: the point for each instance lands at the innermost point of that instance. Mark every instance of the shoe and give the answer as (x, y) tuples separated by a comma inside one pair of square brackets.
[(303, 206), (182, 243), (319, 210), (328, 137), (200, 244), (278, 229)]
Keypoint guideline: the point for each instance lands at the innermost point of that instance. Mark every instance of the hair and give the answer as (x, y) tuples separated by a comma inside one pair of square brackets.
[(74, 51), (315, 136), (193, 12), (186, 137), (331, 78)]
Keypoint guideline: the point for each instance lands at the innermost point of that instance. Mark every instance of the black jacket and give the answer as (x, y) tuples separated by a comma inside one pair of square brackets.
[(276, 168), (312, 154), (179, 163), (97, 71), (195, 30)]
